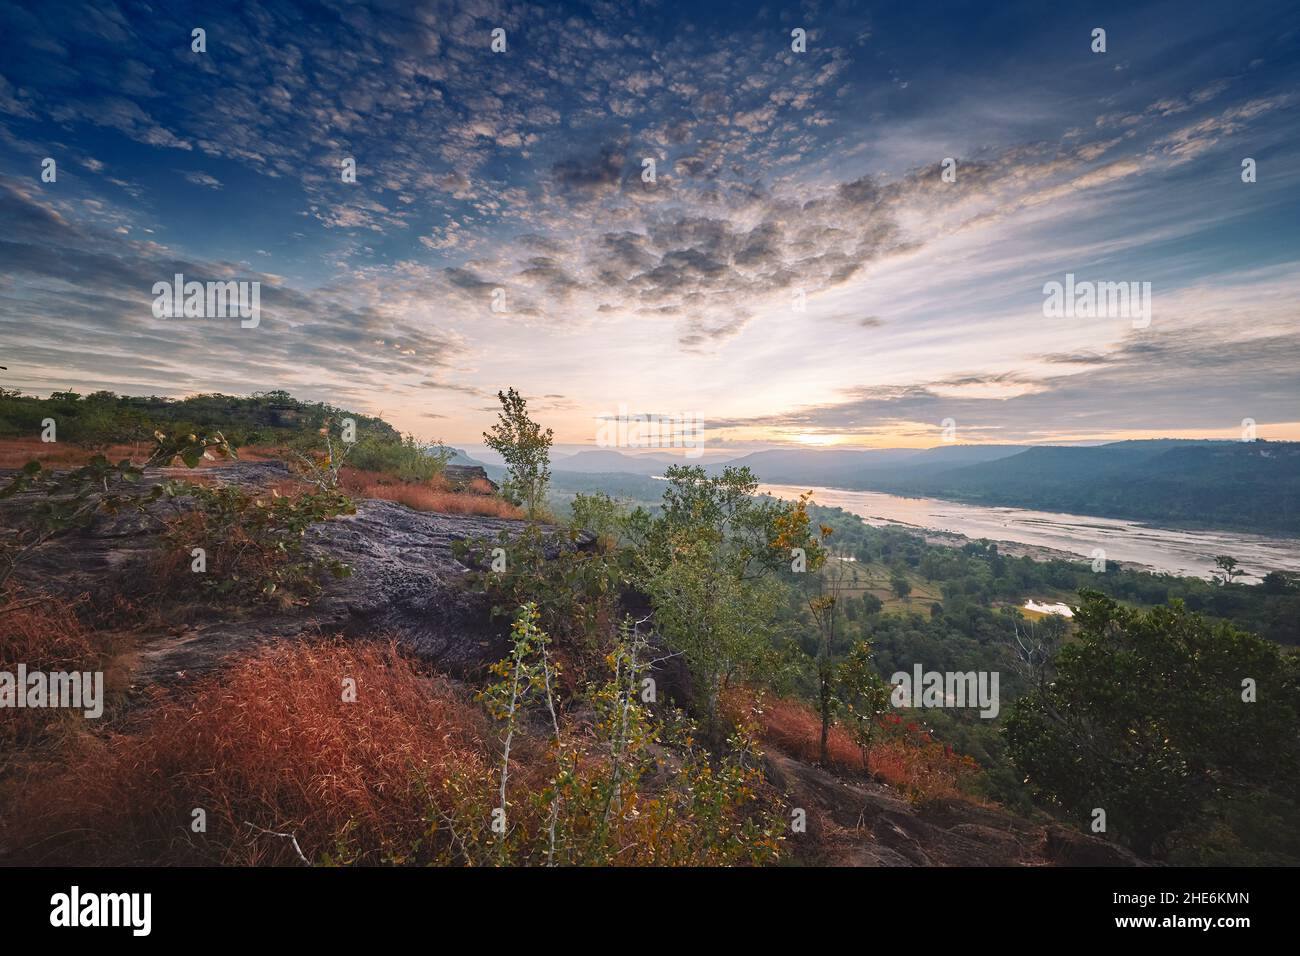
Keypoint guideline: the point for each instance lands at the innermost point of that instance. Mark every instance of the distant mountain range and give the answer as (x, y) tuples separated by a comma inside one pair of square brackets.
[(833, 467), (605, 461), (1251, 486)]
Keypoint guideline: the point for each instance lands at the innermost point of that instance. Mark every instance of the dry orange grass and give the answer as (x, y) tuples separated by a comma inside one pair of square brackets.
[(47, 635), (16, 452), (44, 633), (794, 728), (273, 744), (434, 495), (924, 769), (262, 453), (903, 756)]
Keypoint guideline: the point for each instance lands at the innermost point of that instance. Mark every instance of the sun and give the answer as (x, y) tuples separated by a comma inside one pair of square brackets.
[(808, 439)]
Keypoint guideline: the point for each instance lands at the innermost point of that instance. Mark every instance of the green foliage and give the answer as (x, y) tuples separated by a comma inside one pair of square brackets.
[(720, 622), (575, 590), (405, 458), (596, 807), (104, 418), (255, 541), (862, 695), (526, 450), (72, 499), (707, 563), (1146, 720), (320, 456), (599, 514), (750, 536)]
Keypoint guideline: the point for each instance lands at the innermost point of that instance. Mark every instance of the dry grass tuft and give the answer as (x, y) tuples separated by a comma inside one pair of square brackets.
[(46, 634), (271, 743), (794, 728), (435, 495)]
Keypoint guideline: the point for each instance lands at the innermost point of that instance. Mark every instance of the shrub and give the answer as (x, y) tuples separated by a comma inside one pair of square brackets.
[(595, 805), (252, 541), (576, 591), (600, 514), (404, 459)]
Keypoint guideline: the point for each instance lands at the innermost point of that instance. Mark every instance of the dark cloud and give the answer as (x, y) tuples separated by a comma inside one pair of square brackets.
[(592, 175)]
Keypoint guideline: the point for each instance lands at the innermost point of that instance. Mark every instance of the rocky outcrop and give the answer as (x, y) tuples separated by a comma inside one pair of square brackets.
[(861, 823), (405, 583), (464, 477)]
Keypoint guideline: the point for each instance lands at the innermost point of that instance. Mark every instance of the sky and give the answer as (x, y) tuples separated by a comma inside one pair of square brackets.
[(843, 245)]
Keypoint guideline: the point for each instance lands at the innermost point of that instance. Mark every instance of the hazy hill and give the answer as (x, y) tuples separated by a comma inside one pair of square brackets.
[(847, 468), (460, 457), (1253, 486), (603, 461)]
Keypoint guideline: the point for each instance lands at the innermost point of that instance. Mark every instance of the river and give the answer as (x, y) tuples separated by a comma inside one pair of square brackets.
[(1189, 553)]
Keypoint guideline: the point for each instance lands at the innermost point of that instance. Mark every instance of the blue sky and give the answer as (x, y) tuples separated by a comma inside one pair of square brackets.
[(779, 175)]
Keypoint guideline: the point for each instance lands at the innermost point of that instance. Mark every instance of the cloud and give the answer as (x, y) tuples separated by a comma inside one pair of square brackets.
[(814, 177), (203, 179), (75, 291)]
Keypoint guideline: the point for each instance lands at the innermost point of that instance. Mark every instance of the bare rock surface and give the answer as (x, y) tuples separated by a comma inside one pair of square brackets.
[(405, 583), (860, 822)]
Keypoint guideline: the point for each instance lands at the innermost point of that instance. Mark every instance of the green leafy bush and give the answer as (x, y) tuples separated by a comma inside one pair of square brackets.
[(403, 458), (254, 542), (1150, 719), (592, 803)]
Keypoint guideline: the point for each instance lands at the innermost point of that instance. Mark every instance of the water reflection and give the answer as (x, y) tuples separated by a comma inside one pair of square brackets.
[(1163, 549)]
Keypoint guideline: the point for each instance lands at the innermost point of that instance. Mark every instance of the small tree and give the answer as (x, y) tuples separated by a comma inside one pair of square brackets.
[(901, 586), (864, 695), (708, 563), (526, 448), (718, 621), (1228, 569), (829, 579)]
